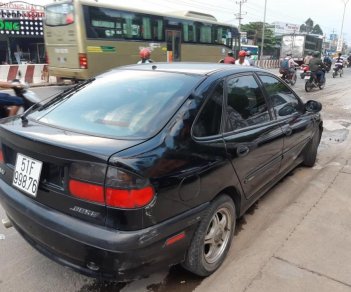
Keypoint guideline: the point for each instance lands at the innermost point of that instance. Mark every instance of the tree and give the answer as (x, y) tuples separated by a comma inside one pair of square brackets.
[(317, 30), (309, 27), (254, 33)]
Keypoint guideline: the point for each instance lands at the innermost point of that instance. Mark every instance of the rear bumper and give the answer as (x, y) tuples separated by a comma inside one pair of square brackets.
[(111, 254), (69, 73)]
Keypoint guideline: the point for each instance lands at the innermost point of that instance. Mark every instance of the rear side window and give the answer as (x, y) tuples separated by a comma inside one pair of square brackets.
[(124, 104), (209, 120)]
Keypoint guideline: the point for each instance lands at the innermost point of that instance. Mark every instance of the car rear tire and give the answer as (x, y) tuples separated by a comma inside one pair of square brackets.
[(212, 238), (310, 155)]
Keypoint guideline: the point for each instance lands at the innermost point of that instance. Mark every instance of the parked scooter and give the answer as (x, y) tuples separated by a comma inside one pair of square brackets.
[(29, 98), (313, 82)]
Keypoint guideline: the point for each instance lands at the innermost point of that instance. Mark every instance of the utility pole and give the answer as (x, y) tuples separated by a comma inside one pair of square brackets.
[(239, 16), (340, 41), (263, 27)]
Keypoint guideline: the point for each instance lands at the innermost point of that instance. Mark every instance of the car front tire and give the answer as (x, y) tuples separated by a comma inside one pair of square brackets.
[(310, 155), (213, 238)]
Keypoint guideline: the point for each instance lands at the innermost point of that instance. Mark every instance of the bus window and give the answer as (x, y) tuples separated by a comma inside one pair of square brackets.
[(60, 14), (189, 32), (115, 24), (205, 33)]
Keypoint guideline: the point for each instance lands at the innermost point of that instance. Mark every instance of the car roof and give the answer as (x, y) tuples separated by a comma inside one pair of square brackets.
[(189, 68)]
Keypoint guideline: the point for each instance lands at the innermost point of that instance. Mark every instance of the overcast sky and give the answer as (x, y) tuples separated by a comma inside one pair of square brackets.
[(327, 13)]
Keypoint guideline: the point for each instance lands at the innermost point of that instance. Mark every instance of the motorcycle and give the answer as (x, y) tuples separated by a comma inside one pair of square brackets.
[(289, 77), (337, 70), (313, 82), (327, 66), (303, 70), (28, 96)]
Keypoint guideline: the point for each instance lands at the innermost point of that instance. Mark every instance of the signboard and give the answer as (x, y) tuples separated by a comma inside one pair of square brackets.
[(285, 28), (22, 19)]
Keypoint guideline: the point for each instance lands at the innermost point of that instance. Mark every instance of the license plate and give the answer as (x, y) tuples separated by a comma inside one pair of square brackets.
[(27, 174), (307, 77), (301, 71)]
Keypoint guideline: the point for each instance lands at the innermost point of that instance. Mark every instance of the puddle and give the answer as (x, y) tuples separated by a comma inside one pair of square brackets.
[(177, 280), (335, 136)]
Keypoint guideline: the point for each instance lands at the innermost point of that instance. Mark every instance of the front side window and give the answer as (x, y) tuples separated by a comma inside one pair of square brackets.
[(132, 104), (59, 14), (246, 105), (284, 101), (209, 120)]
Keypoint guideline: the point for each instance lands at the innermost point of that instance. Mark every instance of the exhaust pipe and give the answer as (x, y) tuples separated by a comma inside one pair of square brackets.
[(7, 223)]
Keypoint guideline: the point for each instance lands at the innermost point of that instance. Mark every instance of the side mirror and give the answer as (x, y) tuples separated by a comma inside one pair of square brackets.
[(313, 106)]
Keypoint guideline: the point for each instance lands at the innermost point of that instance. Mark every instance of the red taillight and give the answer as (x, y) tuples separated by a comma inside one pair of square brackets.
[(131, 198), (1, 156), (87, 191), (110, 185), (83, 61)]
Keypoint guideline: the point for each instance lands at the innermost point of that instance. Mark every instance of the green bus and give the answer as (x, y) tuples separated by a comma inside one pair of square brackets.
[(84, 37)]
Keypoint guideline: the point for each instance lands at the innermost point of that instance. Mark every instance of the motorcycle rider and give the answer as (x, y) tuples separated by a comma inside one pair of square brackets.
[(242, 60), (288, 66), (13, 102), (328, 62), (229, 59), (317, 66), (145, 55), (249, 58), (349, 61), (339, 62), (307, 59)]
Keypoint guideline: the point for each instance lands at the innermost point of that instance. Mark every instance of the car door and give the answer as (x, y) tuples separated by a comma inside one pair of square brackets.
[(253, 139), (297, 124)]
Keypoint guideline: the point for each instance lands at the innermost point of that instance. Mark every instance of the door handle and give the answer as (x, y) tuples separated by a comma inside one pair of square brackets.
[(288, 131), (242, 151)]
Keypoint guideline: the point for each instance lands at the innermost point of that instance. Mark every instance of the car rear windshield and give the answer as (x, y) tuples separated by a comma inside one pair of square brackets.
[(59, 14), (123, 104)]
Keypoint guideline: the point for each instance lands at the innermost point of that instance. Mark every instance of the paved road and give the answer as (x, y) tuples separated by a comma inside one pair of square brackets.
[(275, 246)]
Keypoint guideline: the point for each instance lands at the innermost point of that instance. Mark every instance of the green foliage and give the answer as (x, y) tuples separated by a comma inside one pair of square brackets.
[(254, 33), (309, 27)]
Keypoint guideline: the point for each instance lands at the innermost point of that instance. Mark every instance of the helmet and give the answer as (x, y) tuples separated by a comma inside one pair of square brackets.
[(315, 54), (242, 54), (230, 53), (289, 54), (144, 53), (248, 53)]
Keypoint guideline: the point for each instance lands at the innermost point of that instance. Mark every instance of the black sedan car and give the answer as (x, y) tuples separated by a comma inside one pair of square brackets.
[(150, 165)]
